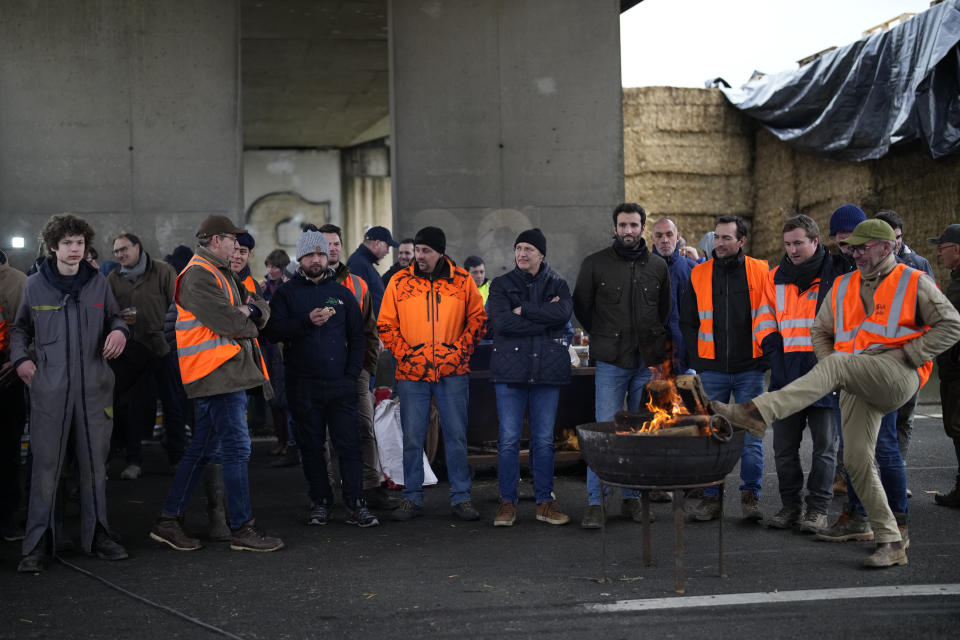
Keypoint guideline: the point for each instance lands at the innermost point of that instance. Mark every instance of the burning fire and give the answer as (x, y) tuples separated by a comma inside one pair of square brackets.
[(666, 411)]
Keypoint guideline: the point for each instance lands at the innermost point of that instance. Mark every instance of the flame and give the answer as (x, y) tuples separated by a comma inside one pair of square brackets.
[(665, 405)]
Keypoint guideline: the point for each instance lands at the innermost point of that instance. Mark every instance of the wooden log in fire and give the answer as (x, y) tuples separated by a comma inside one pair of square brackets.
[(695, 425)]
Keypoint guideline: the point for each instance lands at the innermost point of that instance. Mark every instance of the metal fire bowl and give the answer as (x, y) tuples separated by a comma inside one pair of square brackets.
[(656, 461)]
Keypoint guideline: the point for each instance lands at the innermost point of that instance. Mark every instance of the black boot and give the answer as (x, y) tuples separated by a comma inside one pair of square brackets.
[(216, 508), (33, 561), (105, 547), (951, 499)]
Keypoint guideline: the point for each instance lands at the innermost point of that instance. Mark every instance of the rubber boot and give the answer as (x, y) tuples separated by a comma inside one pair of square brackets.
[(216, 507)]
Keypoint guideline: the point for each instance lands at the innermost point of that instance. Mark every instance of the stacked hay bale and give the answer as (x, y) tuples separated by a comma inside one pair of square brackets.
[(688, 156)]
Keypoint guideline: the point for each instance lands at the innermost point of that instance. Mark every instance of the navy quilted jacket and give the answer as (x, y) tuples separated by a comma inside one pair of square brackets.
[(532, 347)]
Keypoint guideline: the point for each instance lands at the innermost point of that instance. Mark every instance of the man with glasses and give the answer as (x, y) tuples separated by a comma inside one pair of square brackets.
[(948, 362), (874, 337), (143, 288), (217, 326)]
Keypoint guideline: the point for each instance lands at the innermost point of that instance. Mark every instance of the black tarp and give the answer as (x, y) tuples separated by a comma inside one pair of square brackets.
[(855, 102)]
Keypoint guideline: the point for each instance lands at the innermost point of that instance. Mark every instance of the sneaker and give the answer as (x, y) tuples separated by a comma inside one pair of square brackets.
[(406, 511), (170, 532), (360, 516), (813, 521), (465, 511), (506, 514), (319, 514), (132, 472), (105, 547), (659, 495), (785, 518), (750, 507), (839, 485), (847, 528), (708, 509), (951, 499), (593, 518), (550, 513), (249, 537), (632, 509)]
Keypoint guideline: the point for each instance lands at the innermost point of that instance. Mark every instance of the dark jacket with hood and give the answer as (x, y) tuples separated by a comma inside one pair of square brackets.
[(732, 320), (948, 362), (818, 273), (333, 351), (362, 263), (622, 299), (532, 347)]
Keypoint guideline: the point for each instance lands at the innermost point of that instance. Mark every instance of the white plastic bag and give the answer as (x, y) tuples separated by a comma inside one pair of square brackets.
[(386, 425)]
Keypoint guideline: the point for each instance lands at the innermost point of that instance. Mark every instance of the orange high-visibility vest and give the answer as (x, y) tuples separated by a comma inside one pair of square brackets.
[(199, 350), (893, 321), (357, 286), (701, 277), (249, 284), (793, 314)]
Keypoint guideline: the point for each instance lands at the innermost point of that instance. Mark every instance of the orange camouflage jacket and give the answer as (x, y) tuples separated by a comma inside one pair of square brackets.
[(431, 324)]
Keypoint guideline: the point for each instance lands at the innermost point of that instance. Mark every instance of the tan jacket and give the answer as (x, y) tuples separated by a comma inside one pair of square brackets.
[(12, 282), (933, 309), (151, 294), (199, 293)]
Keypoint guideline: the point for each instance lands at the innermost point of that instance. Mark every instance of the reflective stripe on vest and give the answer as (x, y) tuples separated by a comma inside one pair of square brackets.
[(356, 285), (199, 350), (4, 333), (794, 313), (762, 314), (893, 321)]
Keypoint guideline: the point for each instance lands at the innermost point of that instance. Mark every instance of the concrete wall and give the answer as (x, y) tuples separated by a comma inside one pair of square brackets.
[(506, 114), (118, 110)]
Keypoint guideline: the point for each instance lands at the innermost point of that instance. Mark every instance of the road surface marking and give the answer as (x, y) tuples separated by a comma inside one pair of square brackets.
[(808, 595)]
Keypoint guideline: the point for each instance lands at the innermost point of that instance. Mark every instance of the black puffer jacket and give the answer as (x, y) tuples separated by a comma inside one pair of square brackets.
[(531, 347)]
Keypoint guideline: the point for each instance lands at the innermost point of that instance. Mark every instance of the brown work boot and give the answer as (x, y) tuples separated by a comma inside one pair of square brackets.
[(887, 554), (550, 513), (750, 507), (743, 416), (506, 514), (847, 528), (250, 537), (839, 485)]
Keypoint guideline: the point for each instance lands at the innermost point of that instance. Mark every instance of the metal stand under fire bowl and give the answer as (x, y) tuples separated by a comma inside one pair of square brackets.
[(679, 496)]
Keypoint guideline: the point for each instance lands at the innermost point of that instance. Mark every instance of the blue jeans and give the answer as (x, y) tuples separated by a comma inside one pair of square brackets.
[(893, 471), (452, 394), (787, 436), (744, 386), (612, 384), (220, 424), (512, 403)]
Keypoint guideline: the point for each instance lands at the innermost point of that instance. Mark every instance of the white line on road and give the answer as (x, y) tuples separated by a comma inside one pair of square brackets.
[(808, 595)]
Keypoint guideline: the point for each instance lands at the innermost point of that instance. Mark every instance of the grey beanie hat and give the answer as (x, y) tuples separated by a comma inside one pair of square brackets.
[(310, 242)]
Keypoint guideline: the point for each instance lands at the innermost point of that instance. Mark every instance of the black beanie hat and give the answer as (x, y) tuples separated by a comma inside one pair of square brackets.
[(433, 237), (535, 237)]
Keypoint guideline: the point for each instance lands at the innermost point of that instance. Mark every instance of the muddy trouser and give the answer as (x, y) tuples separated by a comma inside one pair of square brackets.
[(870, 386), (48, 444)]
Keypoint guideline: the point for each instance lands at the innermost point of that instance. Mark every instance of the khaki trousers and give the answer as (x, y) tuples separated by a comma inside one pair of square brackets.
[(870, 387)]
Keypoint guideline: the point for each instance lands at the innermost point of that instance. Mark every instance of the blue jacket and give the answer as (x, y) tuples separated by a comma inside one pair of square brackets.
[(787, 367), (361, 263), (532, 347), (679, 266), (331, 351)]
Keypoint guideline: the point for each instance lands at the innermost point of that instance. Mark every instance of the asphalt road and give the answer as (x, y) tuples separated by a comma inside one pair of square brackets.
[(438, 577)]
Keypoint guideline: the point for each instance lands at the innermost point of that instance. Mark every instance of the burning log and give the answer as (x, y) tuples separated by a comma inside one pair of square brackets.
[(628, 423)]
